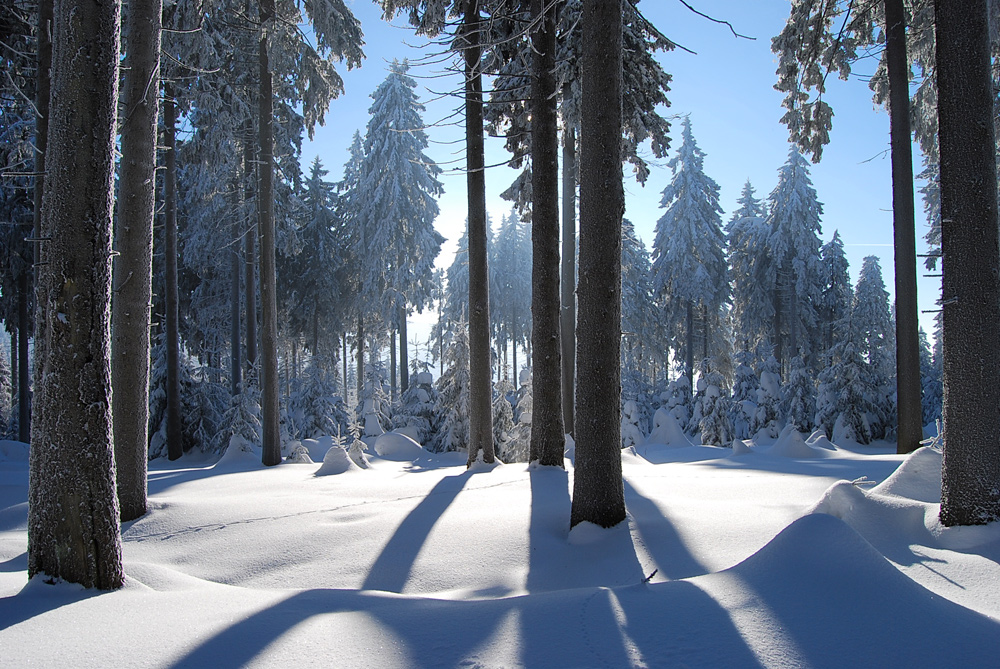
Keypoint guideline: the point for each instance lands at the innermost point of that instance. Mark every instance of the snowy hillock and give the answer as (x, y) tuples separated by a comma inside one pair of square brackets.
[(919, 477), (667, 431), (337, 461), (396, 446), (791, 444)]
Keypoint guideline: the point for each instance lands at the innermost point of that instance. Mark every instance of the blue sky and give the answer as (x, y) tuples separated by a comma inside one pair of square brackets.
[(727, 89)]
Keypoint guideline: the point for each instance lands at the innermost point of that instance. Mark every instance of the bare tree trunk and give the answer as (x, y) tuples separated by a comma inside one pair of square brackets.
[(14, 368), (133, 271), (271, 438), (361, 357), (343, 385), (23, 385), (392, 364), (567, 326), (73, 522), (909, 411), (970, 246), (404, 360), (480, 400), (175, 445), (249, 253), (235, 345), (547, 434), (689, 347), (598, 491)]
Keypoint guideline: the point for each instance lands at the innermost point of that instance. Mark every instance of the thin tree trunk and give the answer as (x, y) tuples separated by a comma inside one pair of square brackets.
[(392, 365), (689, 347), (970, 246), (249, 254), (73, 519), (133, 271), (361, 358), (598, 491), (480, 404), (23, 385), (175, 445), (909, 410), (271, 438), (404, 360), (14, 368), (235, 345), (567, 326), (547, 434), (343, 385)]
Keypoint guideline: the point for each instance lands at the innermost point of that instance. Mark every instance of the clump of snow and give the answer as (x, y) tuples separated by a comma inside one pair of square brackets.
[(790, 444), (741, 447), (356, 451), (480, 466), (667, 431), (422, 379), (336, 461), (299, 454), (818, 439), (411, 431), (918, 477), (240, 453), (396, 446)]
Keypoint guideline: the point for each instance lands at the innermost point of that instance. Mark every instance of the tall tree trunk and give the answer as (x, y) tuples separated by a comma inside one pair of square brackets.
[(23, 386), (133, 266), (270, 438), (404, 361), (249, 253), (567, 325), (392, 364), (909, 410), (343, 385), (970, 246), (14, 368), (361, 358), (73, 522), (598, 491), (480, 404), (175, 445), (547, 434), (689, 347), (235, 345)]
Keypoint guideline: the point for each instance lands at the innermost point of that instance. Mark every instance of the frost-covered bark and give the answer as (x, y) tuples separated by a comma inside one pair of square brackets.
[(567, 281), (970, 284), (134, 264), (175, 446), (598, 491), (72, 505), (546, 350)]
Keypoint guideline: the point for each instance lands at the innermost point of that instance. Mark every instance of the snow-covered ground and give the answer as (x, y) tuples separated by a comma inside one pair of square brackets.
[(769, 558)]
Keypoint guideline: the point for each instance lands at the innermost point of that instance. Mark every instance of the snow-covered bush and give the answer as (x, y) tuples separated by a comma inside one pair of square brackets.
[(453, 398), (416, 408), (743, 402), (799, 397), (769, 398), (503, 418)]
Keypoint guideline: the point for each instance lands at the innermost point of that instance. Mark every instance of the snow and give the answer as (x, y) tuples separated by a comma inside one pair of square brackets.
[(724, 560)]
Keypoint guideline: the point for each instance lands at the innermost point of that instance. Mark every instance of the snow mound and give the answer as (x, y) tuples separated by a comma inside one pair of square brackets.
[(299, 455), (410, 431), (741, 447), (396, 446), (822, 584), (918, 477), (13, 451), (790, 444), (631, 457), (240, 454), (478, 465), (318, 447), (336, 461), (667, 431), (818, 439), (888, 522)]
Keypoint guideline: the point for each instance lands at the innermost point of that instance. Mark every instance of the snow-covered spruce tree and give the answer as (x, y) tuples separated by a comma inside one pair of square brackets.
[(639, 331), (374, 408), (398, 185), (769, 418), (712, 407), (689, 270), (743, 402), (872, 333), (453, 395), (930, 378), (503, 419), (837, 296), (678, 400), (518, 446), (73, 517), (417, 407), (854, 403), (319, 409), (798, 401), (794, 246)]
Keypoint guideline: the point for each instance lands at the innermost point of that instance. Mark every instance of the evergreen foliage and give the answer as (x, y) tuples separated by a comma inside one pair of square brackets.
[(453, 398), (743, 402), (503, 420), (931, 387), (417, 407)]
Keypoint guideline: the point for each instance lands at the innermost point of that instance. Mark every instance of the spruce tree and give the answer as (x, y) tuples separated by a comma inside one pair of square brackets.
[(750, 272), (872, 333)]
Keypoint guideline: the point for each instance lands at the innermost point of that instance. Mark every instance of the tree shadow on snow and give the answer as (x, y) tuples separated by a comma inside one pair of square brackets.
[(39, 597), (665, 545), (392, 567)]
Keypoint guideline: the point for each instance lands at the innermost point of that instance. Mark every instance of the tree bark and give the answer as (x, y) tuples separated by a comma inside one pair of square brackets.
[(73, 522), (909, 410), (361, 358), (271, 438), (133, 266), (249, 252), (392, 365), (235, 343), (970, 246), (598, 491), (24, 387), (689, 347), (567, 325), (175, 445), (480, 404), (547, 435), (404, 359)]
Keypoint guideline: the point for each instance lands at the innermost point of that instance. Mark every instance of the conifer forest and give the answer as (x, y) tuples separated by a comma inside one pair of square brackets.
[(454, 396)]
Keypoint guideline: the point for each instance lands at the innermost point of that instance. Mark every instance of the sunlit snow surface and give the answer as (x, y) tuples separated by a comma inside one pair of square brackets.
[(769, 557)]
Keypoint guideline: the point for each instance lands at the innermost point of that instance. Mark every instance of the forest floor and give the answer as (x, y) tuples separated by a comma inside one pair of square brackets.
[(768, 558)]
